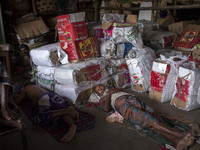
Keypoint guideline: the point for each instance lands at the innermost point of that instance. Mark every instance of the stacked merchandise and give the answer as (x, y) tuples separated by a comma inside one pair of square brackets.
[(76, 80), (164, 76), (73, 37), (188, 38), (45, 59), (187, 86), (139, 64)]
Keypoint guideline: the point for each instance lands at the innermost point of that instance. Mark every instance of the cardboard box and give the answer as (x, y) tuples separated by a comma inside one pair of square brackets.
[(188, 39), (178, 27), (79, 50), (159, 74), (71, 27), (31, 29)]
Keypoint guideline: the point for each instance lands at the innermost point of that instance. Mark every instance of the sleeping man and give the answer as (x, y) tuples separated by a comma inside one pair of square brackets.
[(140, 114), (50, 107)]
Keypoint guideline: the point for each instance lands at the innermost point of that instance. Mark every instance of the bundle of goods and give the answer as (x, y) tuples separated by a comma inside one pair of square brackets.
[(188, 39), (82, 73), (160, 39), (119, 71), (73, 37), (187, 85), (147, 26), (46, 58), (164, 76), (122, 79), (117, 65), (109, 17), (32, 33), (94, 30), (122, 40), (139, 65), (49, 55)]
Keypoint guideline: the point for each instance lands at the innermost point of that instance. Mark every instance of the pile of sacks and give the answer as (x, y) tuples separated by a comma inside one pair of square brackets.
[(119, 55)]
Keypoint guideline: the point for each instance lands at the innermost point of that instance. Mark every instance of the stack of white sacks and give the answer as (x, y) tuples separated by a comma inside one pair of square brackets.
[(45, 59), (54, 72)]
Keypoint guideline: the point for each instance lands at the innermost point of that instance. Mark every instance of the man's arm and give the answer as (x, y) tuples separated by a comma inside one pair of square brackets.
[(105, 102)]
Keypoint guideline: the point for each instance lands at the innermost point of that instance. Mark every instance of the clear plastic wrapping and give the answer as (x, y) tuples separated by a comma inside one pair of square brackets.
[(164, 76), (82, 73), (139, 65)]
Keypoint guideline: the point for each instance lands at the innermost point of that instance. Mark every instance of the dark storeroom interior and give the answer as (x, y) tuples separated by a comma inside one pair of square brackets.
[(99, 74)]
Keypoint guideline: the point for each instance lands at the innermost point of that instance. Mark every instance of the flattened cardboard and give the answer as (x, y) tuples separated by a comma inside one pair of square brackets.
[(31, 29)]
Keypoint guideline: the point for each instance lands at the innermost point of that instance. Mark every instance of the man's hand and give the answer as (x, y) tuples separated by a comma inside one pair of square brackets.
[(115, 90)]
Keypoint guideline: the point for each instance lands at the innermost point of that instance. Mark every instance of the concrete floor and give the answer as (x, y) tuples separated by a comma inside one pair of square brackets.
[(105, 136)]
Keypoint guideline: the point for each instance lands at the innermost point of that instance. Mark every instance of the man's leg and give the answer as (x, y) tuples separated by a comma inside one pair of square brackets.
[(11, 123), (68, 119), (4, 96)]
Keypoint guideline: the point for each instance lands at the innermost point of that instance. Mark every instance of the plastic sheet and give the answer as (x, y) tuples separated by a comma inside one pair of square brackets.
[(139, 65), (46, 84), (82, 73), (187, 86), (49, 55)]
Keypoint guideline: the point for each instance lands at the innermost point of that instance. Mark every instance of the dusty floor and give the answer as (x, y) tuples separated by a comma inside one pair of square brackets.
[(105, 136)]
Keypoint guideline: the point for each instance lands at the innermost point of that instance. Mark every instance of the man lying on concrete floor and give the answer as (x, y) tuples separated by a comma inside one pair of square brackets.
[(50, 106), (140, 114)]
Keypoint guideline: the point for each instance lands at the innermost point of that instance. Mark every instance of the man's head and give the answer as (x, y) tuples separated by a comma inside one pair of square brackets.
[(99, 89), (24, 49)]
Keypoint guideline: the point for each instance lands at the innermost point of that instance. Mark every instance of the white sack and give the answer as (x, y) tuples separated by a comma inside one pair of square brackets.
[(45, 72), (43, 56)]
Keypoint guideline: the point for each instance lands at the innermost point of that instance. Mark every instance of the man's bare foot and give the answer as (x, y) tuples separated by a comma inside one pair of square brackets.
[(186, 141), (6, 115), (70, 134), (12, 123)]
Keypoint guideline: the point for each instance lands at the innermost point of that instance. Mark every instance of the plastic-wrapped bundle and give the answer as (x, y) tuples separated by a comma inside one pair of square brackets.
[(187, 85), (109, 17), (45, 72), (117, 65), (82, 73), (160, 39), (123, 49), (163, 77), (72, 92), (129, 34), (139, 65), (147, 26), (122, 79), (49, 55)]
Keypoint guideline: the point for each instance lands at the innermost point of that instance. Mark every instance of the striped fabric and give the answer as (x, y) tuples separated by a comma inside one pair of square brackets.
[(136, 112)]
